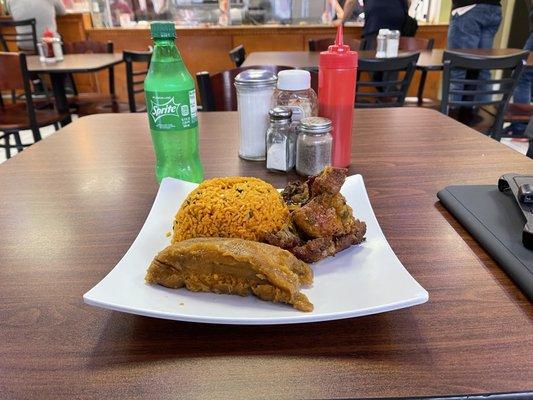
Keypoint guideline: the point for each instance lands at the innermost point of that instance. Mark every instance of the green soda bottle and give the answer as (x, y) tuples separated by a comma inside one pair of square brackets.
[(171, 107)]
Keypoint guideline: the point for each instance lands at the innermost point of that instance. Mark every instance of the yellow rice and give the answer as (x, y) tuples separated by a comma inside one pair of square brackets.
[(233, 207)]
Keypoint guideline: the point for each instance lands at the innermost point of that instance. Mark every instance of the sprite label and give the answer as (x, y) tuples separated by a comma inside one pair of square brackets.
[(171, 110)]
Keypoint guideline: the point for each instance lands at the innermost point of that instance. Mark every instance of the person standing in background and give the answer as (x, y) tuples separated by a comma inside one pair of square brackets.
[(379, 14), (44, 12), (473, 25), (522, 93)]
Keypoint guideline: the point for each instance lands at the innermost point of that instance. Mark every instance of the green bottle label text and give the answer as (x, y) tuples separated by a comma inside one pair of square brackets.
[(171, 110)]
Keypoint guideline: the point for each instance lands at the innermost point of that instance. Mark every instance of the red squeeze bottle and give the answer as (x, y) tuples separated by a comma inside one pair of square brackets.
[(337, 72)]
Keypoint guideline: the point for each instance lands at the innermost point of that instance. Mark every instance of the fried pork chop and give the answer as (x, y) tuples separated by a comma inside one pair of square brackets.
[(233, 266), (322, 223)]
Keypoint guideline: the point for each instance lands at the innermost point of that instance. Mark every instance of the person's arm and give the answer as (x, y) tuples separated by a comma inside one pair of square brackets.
[(59, 7), (338, 9), (346, 12), (348, 9)]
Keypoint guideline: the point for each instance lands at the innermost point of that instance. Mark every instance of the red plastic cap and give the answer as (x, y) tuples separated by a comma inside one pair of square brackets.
[(48, 33), (339, 55)]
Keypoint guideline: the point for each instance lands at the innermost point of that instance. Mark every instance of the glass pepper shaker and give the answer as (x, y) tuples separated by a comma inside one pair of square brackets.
[(314, 145), (280, 138)]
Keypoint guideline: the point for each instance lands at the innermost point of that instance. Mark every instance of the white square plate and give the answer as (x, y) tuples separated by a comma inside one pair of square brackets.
[(362, 280)]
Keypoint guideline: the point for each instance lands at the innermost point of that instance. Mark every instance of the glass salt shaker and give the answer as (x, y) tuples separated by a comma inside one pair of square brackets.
[(254, 93), (313, 146), (393, 43), (58, 48), (381, 43), (281, 143)]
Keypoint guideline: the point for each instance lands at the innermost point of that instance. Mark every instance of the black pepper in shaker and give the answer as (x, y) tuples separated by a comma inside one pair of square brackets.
[(313, 146)]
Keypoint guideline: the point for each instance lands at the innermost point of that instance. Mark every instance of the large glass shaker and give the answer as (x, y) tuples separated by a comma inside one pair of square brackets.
[(254, 94)]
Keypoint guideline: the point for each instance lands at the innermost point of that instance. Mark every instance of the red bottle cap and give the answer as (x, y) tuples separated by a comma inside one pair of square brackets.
[(338, 55), (48, 33)]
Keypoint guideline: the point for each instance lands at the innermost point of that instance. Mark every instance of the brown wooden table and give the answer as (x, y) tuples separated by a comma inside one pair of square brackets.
[(429, 59), (72, 63), (73, 203)]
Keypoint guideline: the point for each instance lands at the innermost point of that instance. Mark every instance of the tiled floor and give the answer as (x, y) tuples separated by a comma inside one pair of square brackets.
[(26, 137), (519, 145)]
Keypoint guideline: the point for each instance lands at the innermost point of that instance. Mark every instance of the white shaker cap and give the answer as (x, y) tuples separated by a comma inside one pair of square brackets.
[(294, 79)]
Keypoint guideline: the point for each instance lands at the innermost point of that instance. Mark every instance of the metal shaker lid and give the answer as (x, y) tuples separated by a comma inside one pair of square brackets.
[(256, 78), (280, 113), (315, 125)]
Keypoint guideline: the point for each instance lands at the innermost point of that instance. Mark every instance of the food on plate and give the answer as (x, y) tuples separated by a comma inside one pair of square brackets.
[(233, 266), (321, 222), (238, 207)]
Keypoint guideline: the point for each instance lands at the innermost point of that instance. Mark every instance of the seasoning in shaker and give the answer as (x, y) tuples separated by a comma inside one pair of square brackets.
[(281, 141), (294, 91), (254, 95), (393, 43), (381, 43), (58, 48), (313, 146)]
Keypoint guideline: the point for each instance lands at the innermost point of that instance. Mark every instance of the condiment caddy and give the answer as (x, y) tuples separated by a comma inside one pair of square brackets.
[(387, 43), (283, 121), (50, 48)]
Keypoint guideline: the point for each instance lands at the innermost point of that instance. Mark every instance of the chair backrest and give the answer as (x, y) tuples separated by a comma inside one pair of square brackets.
[(388, 81), (14, 75), (135, 77), (470, 90), (415, 44), (237, 55), (323, 44), (217, 92), (87, 46), (406, 44), (22, 32), (92, 47)]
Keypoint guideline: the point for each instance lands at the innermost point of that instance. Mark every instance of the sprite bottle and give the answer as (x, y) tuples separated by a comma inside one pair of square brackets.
[(171, 107)]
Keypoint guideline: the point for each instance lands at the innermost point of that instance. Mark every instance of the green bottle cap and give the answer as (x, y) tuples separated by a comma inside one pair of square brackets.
[(163, 30)]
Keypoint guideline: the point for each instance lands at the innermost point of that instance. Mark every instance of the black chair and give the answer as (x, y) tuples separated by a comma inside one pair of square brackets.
[(529, 134), (135, 77), (23, 33), (323, 44), (386, 86), (217, 92), (417, 44), (465, 92), (237, 55), (26, 35), (14, 75)]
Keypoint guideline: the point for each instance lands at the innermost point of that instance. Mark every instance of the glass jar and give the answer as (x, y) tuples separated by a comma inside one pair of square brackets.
[(393, 43), (254, 93), (313, 146), (281, 143), (294, 91), (381, 43)]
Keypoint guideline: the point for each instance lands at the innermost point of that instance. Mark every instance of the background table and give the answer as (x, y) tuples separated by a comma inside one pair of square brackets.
[(73, 203), (429, 59), (72, 63)]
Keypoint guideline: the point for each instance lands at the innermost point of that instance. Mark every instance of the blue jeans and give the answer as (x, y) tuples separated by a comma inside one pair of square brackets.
[(522, 92), (475, 29)]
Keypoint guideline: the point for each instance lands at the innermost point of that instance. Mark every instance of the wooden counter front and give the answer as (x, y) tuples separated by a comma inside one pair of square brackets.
[(206, 48)]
